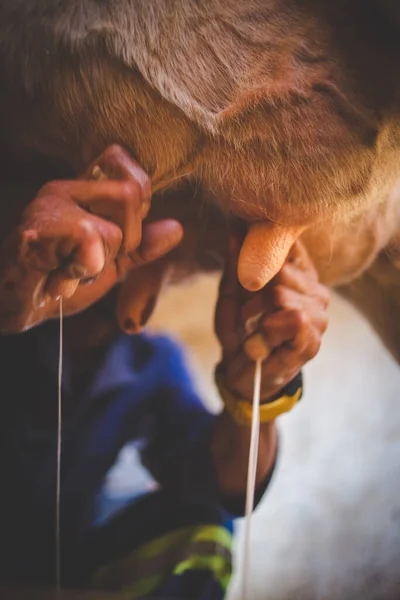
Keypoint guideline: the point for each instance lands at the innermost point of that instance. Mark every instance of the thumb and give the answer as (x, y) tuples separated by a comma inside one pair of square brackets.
[(158, 238), (138, 295), (228, 303)]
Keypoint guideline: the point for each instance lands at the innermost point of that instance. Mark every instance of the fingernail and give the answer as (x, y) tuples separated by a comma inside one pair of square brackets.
[(252, 323), (76, 271), (256, 347), (98, 174), (131, 327)]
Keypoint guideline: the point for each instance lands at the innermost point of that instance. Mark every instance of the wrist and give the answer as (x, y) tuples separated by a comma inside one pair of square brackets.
[(230, 450), (241, 409)]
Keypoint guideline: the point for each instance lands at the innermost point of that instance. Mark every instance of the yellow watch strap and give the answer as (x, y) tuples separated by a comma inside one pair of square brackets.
[(242, 410)]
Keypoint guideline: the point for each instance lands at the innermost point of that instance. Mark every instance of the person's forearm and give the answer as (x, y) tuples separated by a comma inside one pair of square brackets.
[(230, 444)]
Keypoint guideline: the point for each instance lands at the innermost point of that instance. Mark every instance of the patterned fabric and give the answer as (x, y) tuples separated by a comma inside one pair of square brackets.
[(162, 562)]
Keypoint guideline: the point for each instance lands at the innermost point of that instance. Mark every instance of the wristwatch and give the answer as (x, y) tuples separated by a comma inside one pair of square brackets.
[(241, 410)]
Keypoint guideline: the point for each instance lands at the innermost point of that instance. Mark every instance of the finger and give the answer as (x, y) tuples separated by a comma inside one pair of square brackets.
[(299, 256), (240, 375), (85, 295), (292, 277), (263, 253), (117, 201), (283, 326), (287, 325), (254, 308), (138, 295), (286, 361), (82, 298), (84, 247), (302, 281), (296, 328), (289, 299), (159, 238), (59, 286), (126, 214), (81, 251), (240, 378), (77, 250), (228, 303), (256, 347), (230, 282), (263, 302), (279, 370), (117, 163)]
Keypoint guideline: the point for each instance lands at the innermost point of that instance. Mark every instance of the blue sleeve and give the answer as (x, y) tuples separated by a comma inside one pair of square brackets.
[(180, 454)]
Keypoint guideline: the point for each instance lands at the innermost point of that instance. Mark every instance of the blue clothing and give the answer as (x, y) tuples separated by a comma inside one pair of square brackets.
[(172, 537)]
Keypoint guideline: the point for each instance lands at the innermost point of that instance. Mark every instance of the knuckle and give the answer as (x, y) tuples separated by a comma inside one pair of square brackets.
[(278, 381), (324, 324), (30, 245), (53, 188), (113, 151), (300, 319), (280, 296), (312, 348), (323, 294), (85, 229), (130, 191), (311, 271), (280, 363), (281, 277), (256, 347)]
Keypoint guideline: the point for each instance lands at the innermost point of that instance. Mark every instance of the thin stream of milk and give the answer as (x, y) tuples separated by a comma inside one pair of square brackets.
[(251, 480), (58, 481)]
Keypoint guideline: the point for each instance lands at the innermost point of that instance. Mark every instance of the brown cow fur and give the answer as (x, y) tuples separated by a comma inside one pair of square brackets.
[(280, 110)]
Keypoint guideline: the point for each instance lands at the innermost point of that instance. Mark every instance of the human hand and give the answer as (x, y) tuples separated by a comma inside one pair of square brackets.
[(79, 232), (283, 324)]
